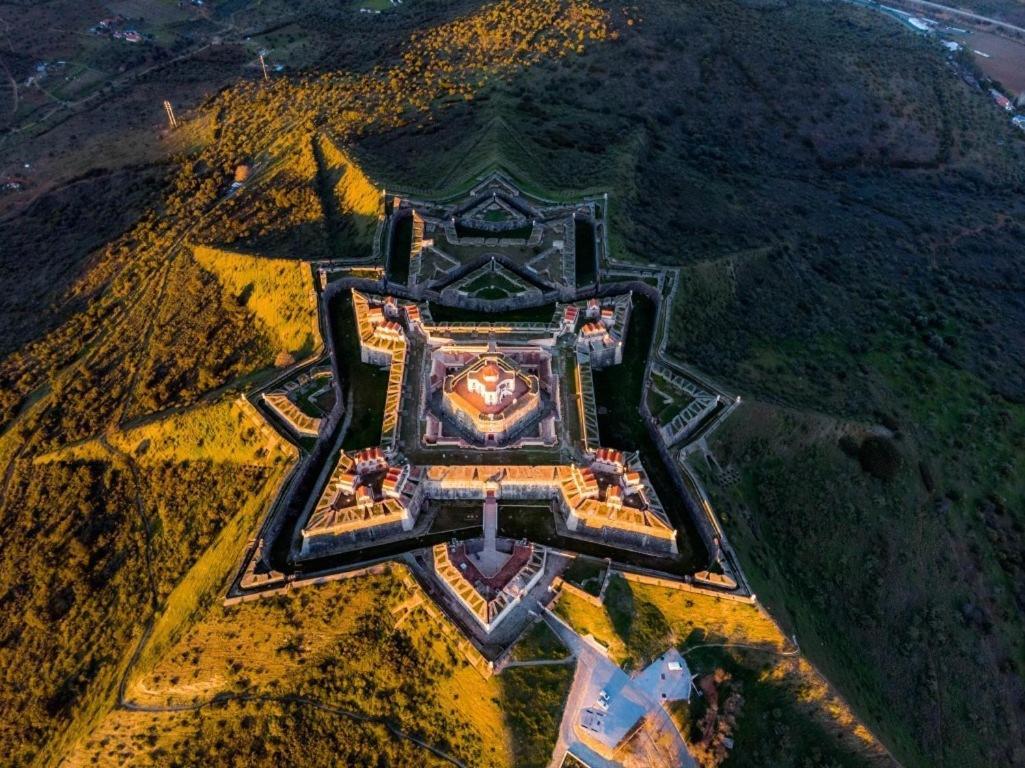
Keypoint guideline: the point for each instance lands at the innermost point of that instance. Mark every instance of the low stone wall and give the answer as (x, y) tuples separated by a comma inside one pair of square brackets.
[(573, 589), (375, 569), (683, 586)]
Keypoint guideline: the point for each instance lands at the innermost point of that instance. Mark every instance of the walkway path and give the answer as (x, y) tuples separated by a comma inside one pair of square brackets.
[(490, 522)]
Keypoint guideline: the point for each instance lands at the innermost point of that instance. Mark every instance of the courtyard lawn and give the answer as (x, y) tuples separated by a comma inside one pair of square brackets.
[(665, 400), (519, 233), (443, 314), (492, 285)]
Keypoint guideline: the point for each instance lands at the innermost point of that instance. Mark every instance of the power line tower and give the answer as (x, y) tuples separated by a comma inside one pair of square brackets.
[(263, 66), (170, 114)]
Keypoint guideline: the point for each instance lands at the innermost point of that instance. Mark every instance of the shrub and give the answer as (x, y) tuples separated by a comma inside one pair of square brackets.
[(879, 457)]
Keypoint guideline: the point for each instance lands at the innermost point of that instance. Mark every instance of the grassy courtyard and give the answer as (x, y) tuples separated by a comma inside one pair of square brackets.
[(492, 285)]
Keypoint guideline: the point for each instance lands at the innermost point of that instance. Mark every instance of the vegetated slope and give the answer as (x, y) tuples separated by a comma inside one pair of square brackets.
[(350, 201), (278, 291), (108, 543), (257, 733), (790, 715), (858, 203), (227, 430), (848, 215), (155, 332), (47, 246), (276, 212), (363, 645)]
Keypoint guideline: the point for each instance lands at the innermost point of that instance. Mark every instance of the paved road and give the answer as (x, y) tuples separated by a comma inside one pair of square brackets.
[(587, 661), (967, 15), (593, 667)]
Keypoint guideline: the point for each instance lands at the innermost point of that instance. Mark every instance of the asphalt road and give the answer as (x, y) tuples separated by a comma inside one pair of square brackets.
[(968, 15)]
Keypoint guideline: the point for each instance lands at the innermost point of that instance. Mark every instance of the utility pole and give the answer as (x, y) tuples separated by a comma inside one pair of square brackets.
[(170, 114), (263, 66)]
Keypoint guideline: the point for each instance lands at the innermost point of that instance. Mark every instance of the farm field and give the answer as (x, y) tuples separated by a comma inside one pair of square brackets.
[(1005, 61)]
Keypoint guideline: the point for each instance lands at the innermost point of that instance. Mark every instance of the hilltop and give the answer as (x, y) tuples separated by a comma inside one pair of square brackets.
[(846, 214)]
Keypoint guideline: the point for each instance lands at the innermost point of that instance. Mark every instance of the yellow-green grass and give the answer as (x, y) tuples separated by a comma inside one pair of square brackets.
[(638, 621), (589, 619), (539, 643), (225, 431), (698, 618), (261, 642), (357, 196), (476, 698), (206, 581), (272, 646), (200, 586), (279, 292), (149, 739)]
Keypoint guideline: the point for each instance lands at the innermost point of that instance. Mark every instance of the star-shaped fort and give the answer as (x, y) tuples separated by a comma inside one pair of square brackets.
[(492, 407)]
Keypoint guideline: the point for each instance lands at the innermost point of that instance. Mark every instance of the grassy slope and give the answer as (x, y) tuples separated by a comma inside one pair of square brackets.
[(278, 291), (306, 644), (248, 733), (222, 431), (539, 642), (358, 201), (846, 185), (158, 333)]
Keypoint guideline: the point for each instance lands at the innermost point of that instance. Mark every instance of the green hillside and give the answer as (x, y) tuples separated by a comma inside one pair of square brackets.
[(847, 216)]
